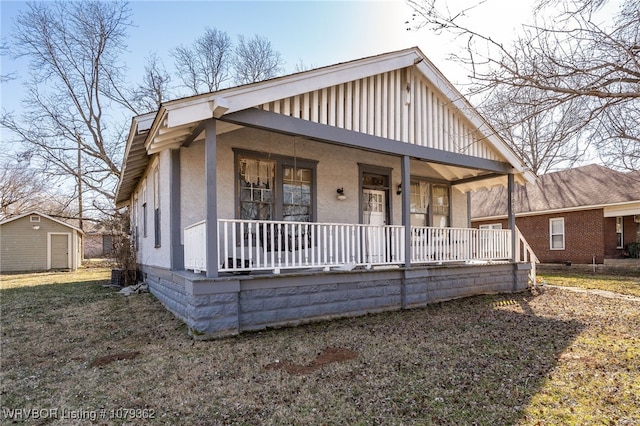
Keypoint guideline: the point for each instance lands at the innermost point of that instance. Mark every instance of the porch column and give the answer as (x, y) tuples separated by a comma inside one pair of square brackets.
[(210, 158), (468, 209), (177, 249), (511, 217), (406, 208)]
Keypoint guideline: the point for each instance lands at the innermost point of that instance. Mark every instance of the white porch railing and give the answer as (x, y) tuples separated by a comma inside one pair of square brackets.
[(441, 245), (524, 253), (195, 247), (270, 245), (246, 245)]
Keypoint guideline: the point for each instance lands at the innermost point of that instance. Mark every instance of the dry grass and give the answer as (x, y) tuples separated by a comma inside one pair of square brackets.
[(624, 284), (548, 357)]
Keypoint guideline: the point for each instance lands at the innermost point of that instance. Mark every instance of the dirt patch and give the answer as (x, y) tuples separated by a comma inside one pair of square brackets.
[(104, 360), (327, 356)]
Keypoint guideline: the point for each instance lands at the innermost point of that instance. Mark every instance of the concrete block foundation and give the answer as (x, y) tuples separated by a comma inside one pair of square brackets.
[(227, 306)]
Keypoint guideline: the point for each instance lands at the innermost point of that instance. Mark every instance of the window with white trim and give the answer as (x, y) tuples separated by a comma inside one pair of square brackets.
[(491, 226), (619, 232), (556, 233)]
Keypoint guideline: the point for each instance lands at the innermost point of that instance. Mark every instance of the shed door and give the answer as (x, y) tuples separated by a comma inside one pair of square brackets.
[(59, 251)]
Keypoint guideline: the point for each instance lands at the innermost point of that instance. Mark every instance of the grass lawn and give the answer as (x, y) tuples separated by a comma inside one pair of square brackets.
[(625, 284), (545, 357)]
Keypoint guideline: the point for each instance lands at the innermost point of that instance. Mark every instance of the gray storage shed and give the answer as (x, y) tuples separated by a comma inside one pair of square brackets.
[(36, 242)]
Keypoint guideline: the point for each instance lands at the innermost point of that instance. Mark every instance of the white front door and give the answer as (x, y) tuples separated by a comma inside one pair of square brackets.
[(374, 212)]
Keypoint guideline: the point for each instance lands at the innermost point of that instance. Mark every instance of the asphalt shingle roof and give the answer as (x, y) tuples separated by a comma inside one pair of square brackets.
[(592, 185)]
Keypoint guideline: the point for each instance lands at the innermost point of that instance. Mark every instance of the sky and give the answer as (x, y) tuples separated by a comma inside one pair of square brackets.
[(314, 33)]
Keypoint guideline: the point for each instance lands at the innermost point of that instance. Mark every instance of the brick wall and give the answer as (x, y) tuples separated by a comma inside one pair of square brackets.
[(587, 233)]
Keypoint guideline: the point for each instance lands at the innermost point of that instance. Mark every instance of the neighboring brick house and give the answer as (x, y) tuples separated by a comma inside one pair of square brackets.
[(575, 215)]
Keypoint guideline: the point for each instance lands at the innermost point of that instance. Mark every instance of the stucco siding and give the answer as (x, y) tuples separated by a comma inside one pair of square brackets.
[(148, 253), (192, 190), (336, 167), (23, 248), (459, 216)]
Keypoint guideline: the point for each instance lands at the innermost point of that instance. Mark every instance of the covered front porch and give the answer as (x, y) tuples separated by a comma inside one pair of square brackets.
[(333, 192), (246, 246)]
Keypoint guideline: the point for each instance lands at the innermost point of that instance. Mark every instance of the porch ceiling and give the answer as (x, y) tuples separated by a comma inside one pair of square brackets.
[(466, 173)]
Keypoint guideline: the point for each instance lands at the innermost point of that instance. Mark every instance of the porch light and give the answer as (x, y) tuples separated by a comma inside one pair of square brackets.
[(341, 195), (36, 227), (399, 190)]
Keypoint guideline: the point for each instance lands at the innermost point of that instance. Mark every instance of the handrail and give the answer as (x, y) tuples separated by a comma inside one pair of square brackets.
[(248, 245), (526, 255)]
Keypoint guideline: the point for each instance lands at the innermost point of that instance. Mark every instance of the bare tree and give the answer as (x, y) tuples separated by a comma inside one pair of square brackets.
[(301, 66), (24, 188), (4, 50), (204, 67), (256, 60), (573, 56), (19, 187), (75, 77), (155, 86), (547, 140)]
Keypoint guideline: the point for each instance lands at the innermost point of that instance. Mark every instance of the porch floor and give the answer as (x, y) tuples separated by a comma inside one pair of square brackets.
[(302, 272)]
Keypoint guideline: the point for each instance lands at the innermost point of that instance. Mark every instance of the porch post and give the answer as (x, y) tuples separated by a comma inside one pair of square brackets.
[(468, 209), (177, 249), (210, 144), (511, 217), (406, 208)]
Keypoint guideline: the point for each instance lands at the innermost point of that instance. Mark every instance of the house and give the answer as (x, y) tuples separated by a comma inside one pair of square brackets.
[(36, 242), (98, 241), (326, 193), (583, 215)]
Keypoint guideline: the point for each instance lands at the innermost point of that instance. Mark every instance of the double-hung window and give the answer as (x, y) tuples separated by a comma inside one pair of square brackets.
[(429, 204), (619, 232), (556, 233), (256, 182), (275, 187), (296, 194)]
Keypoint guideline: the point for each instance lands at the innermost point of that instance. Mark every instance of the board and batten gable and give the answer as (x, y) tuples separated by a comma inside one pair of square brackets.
[(26, 244), (399, 105)]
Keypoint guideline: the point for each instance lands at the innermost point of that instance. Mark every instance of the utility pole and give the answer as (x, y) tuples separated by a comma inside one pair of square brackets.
[(79, 177)]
